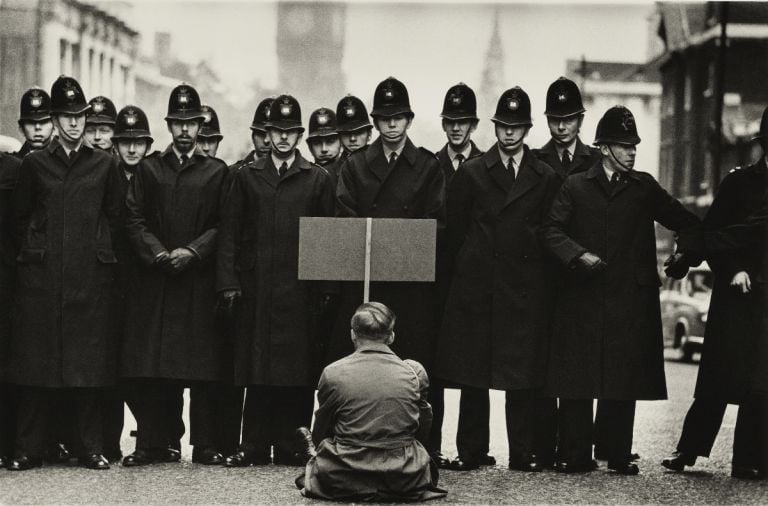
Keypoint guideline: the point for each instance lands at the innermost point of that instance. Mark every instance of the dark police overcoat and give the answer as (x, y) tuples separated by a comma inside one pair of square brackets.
[(413, 188), (607, 339), (9, 173), (495, 329), (584, 157), (170, 330), (445, 161), (66, 214), (734, 341), (258, 254)]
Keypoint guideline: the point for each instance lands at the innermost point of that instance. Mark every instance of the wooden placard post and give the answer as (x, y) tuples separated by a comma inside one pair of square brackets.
[(367, 249)]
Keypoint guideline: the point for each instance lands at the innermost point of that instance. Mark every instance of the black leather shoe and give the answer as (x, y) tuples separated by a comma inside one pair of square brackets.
[(207, 456), (487, 460), (625, 468), (678, 460), (167, 455), (576, 467), (95, 461), (24, 463), (113, 456), (57, 454), (458, 464), (138, 458), (526, 467), (747, 473), (245, 459), (441, 460)]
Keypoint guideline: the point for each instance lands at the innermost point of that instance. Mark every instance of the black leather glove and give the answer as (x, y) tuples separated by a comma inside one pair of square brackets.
[(676, 266), (226, 304)]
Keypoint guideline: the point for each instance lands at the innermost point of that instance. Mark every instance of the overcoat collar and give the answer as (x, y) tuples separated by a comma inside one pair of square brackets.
[(379, 165), (597, 174), (196, 156), (265, 167), (527, 177), (375, 348), (56, 149)]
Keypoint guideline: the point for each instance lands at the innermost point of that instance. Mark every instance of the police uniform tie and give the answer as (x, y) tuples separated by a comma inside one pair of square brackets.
[(184, 159), (459, 160), (72, 154), (511, 169), (615, 179), (282, 170), (566, 161), (392, 159)]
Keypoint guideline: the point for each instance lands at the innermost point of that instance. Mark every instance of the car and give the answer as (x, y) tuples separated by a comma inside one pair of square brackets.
[(684, 309)]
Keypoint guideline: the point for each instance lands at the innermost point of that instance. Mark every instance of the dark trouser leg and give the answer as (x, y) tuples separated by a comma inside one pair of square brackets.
[(575, 431), (472, 431), (749, 437), (89, 409), (614, 426), (175, 414), (149, 399), (293, 409), (257, 420), (230, 418), (113, 417), (203, 413), (520, 412), (545, 430), (34, 415), (8, 413), (702, 423), (437, 401)]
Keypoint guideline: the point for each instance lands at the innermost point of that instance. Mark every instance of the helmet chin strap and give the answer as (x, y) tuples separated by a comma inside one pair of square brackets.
[(616, 159)]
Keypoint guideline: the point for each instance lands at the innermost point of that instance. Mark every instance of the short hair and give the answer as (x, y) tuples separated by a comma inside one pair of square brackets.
[(373, 320)]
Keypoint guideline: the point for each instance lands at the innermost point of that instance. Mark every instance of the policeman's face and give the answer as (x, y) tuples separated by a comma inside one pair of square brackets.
[(184, 133), (393, 129), (99, 136), (356, 139), (325, 149), (283, 141), (208, 145), (511, 137), (619, 157), (37, 133), (458, 131), (70, 126), (261, 142), (131, 151), (564, 130)]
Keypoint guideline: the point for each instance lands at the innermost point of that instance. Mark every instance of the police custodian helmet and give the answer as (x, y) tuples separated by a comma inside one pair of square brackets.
[(261, 115), (67, 97), (131, 123), (210, 128), (184, 103), (322, 123), (351, 115), (513, 108), (35, 105), (391, 99), (617, 126), (563, 99), (459, 103), (103, 112), (285, 114)]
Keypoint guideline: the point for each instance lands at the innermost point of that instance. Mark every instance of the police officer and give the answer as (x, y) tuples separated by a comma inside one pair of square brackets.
[(68, 211), (171, 340), (132, 140), (501, 289), (275, 345), (34, 121), (459, 119), (392, 178), (353, 124), (259, 138), (606, 337), (210, 137), (323, 141), (565, 152), (100, 123)]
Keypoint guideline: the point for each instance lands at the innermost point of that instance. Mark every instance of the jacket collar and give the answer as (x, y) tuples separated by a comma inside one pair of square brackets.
[(374, 348), (376, 149)]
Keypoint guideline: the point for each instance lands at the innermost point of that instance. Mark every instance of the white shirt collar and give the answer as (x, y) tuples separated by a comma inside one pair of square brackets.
[(571, 150), (278, 162), (75, 149), (179, 153), (517, 158), (452, 154), (608, 171), (388, 152)]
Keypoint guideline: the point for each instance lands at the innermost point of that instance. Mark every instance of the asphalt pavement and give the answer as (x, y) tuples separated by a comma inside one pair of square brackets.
[(657, 429)]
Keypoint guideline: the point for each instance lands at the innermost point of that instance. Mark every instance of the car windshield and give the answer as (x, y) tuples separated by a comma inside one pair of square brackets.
[(699, 284)]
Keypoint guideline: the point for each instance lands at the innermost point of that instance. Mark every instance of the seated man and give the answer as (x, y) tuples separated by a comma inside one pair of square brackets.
[(372, 420)]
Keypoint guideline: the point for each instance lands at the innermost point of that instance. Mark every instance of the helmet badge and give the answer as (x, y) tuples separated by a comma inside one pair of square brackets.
[(322, 119), (561, 98), (513, 104), (130, 117), (349, 111), (183, 96), (627, 121)]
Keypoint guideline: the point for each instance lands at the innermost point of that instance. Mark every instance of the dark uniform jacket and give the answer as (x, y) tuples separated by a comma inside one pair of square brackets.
[(9, 174), (445, 161), (495, 330), (67, 212), (413, 188), (25, 149), (258, 254), (170, 330), (733, 359), (607, 340), (372, 408), (584, 157)]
